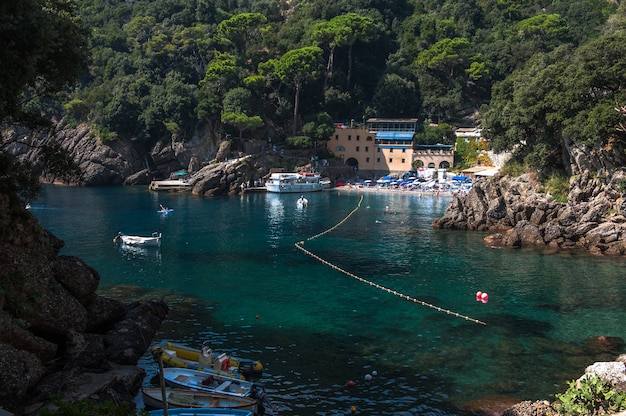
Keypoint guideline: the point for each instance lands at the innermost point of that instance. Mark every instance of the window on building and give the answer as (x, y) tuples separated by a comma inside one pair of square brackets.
[(367, 149), (378, 150), (340, 149), (336, 137), (349, 137), (367, 160), (377, 160), (403, 150), (403, 160), (390, 150), (357, 148), (369, 138), (358, 138), (390, 160)]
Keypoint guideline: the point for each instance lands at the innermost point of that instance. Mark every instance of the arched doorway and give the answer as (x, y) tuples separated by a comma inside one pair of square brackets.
[(353, 162)]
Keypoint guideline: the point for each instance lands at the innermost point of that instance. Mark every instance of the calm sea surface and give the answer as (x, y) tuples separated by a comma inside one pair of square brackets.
[(231, 273)]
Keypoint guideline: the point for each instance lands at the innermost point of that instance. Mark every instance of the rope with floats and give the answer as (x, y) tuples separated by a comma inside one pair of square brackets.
[(300, 246)]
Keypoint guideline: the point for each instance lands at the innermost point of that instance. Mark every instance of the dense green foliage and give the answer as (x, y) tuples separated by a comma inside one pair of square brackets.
[(42, 48), (591, 397), (541, 74), (90, 408), (171, 63)]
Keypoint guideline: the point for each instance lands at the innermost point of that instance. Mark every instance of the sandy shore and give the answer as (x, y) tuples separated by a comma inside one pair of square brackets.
[(386, 190)]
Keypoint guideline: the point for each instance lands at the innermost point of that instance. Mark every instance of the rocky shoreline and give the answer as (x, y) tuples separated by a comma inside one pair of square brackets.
[(57, 335), (516, 212)]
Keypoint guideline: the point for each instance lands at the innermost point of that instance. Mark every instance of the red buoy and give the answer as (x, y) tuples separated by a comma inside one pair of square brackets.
[(479, 296), (484, 298)]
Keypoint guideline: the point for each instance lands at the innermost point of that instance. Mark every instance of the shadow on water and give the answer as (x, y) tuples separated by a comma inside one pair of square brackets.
[(320, 387)]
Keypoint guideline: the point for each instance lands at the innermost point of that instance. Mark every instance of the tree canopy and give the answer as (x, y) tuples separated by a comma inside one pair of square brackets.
[(545, 73)]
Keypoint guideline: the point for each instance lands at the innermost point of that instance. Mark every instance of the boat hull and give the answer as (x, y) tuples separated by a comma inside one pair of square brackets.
[(172, 185), (201, 412), (133, 240), (211, 382), (182, 356), (293, 188), (185, 398), (293, 182)]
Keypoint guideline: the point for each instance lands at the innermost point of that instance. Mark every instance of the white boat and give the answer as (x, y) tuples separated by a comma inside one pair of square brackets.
[(294, 182), (187, 398), (302, 202), (201, 412), (200, 380), (170, 185), (135, 240)]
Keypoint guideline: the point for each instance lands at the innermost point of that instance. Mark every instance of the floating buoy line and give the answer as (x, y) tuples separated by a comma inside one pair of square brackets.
[(300, 246)]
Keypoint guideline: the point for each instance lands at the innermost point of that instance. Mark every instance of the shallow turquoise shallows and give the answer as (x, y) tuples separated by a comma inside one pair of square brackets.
[(232, 274)]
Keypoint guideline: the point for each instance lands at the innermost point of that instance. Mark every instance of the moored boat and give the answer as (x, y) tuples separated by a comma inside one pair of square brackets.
[(186, 398), (285, 182), (201, 412), (170, 185), (200, 380), (135, 240), (182, 356)]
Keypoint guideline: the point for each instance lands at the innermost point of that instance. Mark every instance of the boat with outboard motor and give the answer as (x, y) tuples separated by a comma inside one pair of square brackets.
[(182, 356), (285, 182)]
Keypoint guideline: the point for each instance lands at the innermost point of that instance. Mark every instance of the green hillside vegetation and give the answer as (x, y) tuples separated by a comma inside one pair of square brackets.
[(537, 73)]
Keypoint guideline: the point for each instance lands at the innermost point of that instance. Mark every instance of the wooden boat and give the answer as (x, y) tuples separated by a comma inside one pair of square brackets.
[(182, 356), (134, 240), (201, 412), (185, 398), (200, 380)]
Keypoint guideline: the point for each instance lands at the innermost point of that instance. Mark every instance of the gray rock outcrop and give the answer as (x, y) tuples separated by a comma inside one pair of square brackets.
[(517, 212), (115, 162)]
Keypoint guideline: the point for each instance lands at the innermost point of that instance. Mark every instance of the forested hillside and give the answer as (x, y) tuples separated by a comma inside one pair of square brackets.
[(538, 72)]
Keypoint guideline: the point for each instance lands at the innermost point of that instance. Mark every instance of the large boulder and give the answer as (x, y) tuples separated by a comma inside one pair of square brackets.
[(57, 335)]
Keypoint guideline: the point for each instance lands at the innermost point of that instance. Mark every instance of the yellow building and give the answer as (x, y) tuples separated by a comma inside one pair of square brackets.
[(386, 147)]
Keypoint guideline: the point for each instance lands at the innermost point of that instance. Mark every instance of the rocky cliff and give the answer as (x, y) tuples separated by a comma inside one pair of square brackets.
[(57, 335), (114, 162), (516, 211)]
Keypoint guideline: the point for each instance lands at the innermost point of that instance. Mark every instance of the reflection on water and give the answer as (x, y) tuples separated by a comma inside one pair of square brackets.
[(230, 273), (130, 252)]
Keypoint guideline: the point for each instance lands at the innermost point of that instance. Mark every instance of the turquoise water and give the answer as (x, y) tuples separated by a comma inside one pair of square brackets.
[(231, 273)]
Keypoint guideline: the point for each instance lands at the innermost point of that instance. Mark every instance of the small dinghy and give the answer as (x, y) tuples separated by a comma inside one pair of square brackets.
[(135, 240), (199, 380), (202, 412)]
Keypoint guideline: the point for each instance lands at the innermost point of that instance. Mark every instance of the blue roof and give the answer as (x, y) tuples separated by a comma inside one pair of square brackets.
[(395, 135), (393, 146)]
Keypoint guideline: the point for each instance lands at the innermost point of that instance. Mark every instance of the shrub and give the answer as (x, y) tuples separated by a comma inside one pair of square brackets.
[(512, 168), (592, 396), (89, 408)]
